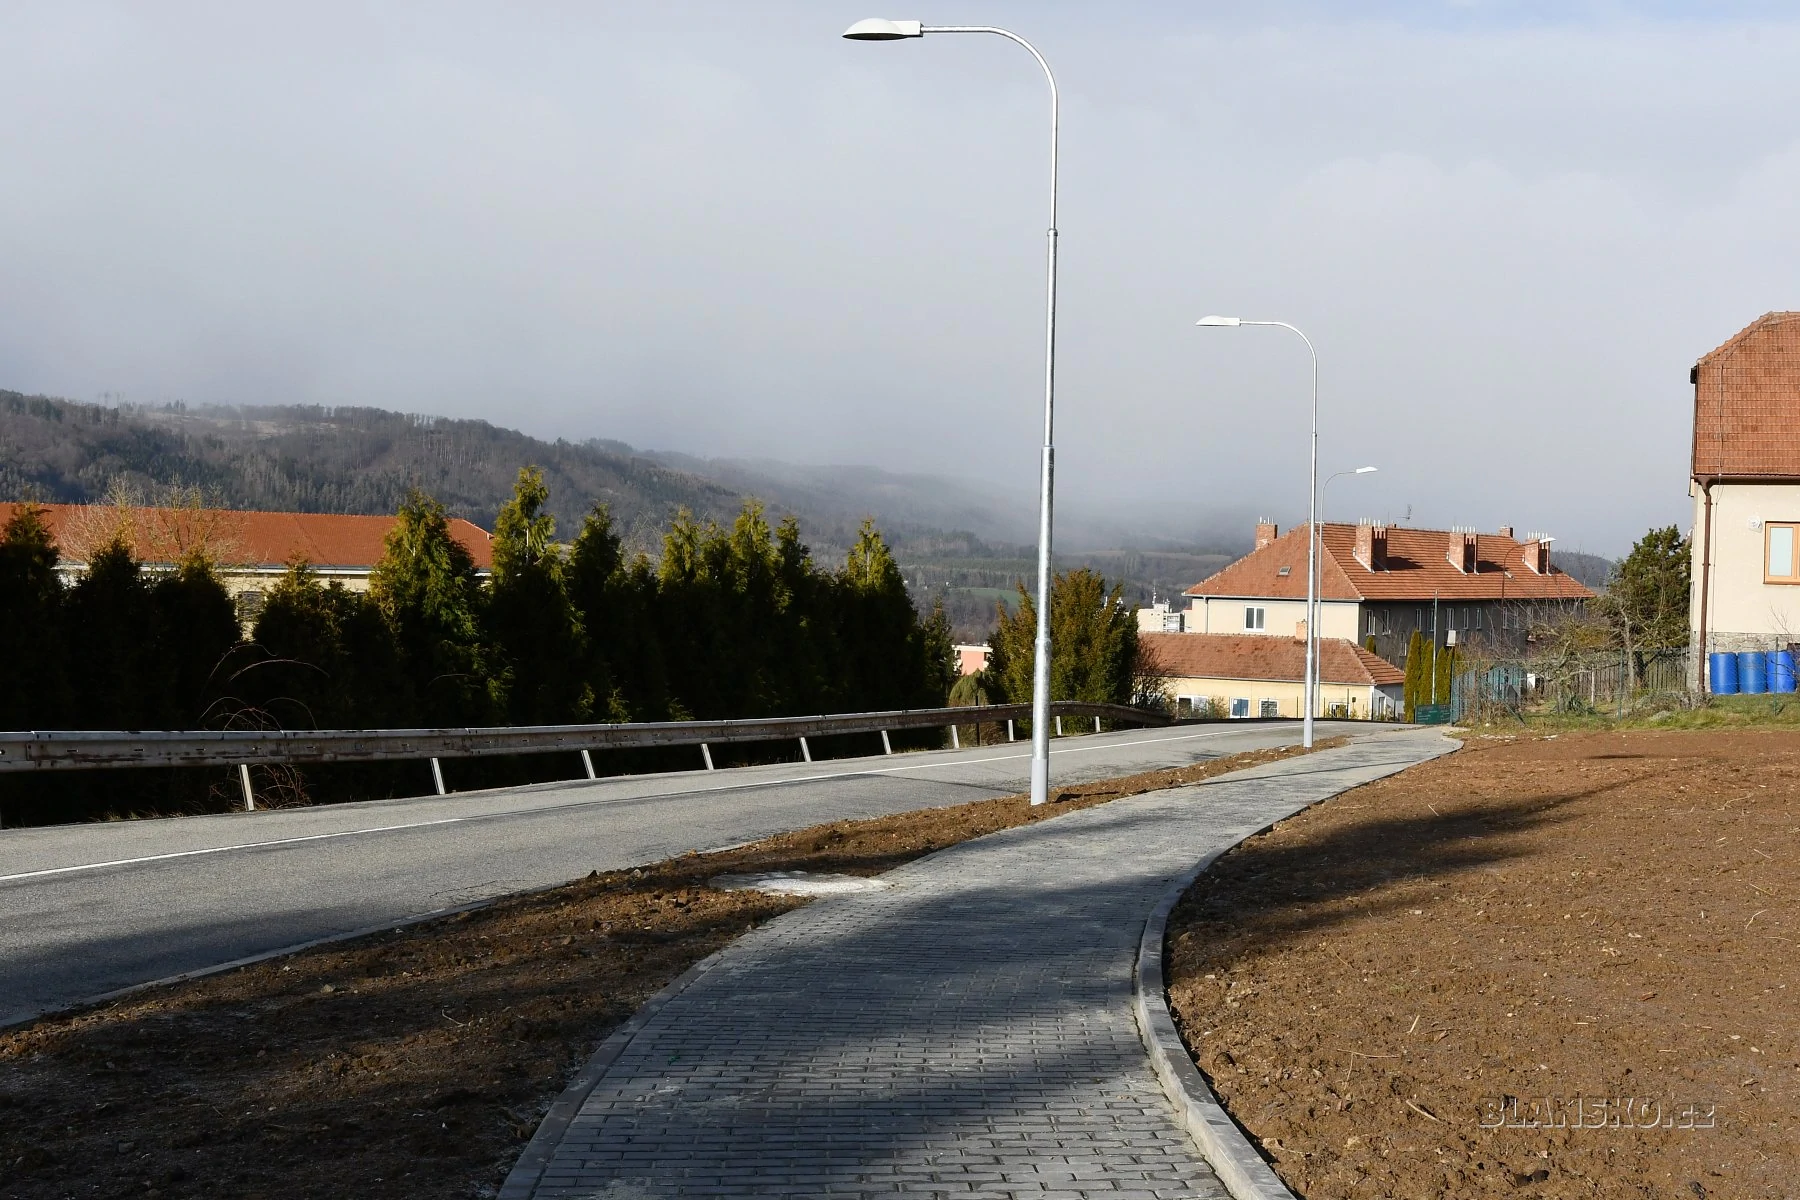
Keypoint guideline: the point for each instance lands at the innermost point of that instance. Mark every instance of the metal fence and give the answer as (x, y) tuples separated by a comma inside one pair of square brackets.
[(1612, 681), (66, 750)]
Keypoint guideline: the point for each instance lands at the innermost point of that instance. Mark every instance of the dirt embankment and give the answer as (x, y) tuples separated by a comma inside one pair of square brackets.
[(415, 1063), (1563, 967)]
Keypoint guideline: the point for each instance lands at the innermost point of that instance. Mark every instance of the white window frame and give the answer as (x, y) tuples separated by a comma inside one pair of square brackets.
[(1256, 618), (1240, 708), (1264, 705)]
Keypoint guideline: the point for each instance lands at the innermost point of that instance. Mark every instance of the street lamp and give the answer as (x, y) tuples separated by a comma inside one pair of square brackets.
[(1312, 517), (876, 29), (1323, 489)]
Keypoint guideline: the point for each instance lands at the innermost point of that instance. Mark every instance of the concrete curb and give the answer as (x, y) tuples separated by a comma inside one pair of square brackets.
[(1244, 1172), (1239, 1167)]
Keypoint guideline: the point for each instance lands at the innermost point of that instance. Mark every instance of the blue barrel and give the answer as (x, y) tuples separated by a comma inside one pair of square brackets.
[(1753, 672), (1722, 674), (1781, 671)]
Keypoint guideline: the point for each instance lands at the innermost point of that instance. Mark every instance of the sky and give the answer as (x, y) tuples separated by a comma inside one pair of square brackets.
[(1509, 230)]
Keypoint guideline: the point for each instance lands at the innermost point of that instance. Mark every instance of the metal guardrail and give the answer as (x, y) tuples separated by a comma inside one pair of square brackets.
[(244, 748)]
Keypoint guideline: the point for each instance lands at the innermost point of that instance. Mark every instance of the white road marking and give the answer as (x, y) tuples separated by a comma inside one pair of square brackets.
[(724, 787)]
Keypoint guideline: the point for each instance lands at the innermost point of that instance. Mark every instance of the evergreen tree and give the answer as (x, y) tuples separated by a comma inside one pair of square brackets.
[(1646, 601), (426, 588), (539, 675), (1417, 689), (615, 602), (33, 684), (1443, 673), (194, 630), (886, 653), (1093, 643), (332, 662), (113, 664)]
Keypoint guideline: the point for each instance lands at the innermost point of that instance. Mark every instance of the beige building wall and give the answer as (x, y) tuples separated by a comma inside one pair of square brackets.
[(1208, 614), (1289, 697), (1742, 611)]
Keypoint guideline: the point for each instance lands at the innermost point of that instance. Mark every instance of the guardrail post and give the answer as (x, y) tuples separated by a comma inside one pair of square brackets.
[(1096, 724), (805, 750), (955, 739), (588, 763), (706, 753), (244, 782), (887, 747), (1059, 727), (437, 776), (1009, 729)]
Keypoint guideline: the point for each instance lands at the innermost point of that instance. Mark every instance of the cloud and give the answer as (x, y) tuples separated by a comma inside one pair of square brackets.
[(1508, 231)]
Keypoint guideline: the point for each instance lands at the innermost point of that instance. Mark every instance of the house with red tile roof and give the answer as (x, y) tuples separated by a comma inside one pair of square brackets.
[(1253, 675), (1386, 582), (252, 549), (1745, 483)]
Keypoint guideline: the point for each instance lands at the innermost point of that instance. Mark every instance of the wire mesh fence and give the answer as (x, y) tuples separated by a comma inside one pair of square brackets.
[(1611, 681)]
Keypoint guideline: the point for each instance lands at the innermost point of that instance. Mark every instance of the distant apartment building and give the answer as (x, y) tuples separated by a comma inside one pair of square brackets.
[(252, 549), (1161, 616), (1387, 582), (1745, 484), (972, 658), (1243, 675)]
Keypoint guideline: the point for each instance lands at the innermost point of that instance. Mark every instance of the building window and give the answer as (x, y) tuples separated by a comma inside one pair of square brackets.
[(249, 605), (1270, 708), (1240, 707), (1781, 555), (1254, 617)]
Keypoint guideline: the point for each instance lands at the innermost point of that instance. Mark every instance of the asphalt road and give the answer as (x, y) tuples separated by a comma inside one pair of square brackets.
[(89, 909)]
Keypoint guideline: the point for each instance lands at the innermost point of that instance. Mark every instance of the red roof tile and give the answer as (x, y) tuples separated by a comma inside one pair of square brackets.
[(1265, 656), (238, 539), (1417, 568), (1747, 402)]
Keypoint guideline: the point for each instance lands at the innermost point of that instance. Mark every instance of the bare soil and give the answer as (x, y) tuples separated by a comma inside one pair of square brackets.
[(413, 1063), (1544, 967)]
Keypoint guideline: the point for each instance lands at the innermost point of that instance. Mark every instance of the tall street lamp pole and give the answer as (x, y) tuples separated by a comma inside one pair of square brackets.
[(878, 30), (1312, 519)]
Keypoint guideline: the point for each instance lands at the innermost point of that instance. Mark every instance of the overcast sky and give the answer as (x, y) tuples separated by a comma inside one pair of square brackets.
[(718, 228)]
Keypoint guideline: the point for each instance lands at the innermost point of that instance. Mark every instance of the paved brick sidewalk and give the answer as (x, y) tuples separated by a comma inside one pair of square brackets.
[(967, 1032)]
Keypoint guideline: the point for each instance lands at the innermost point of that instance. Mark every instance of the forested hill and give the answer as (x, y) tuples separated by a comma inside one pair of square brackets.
[(951, 539), (362, 460)]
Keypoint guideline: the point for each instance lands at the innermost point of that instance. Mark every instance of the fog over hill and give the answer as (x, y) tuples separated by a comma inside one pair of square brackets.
[(954, 537)]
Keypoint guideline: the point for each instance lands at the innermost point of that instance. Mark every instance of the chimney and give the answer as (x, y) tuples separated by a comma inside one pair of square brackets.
[(1265, 533), (1537, 555), (1506, 531), (1371, 546), (1460, 550), (1300, 631)]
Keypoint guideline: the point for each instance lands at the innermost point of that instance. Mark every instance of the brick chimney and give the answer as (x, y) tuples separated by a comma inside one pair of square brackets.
[(1460, 550), (1537, 556), (1371, 546), (1265, 533), (1506, 531)]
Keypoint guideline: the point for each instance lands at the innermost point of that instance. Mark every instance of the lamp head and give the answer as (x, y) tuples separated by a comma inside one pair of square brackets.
[(879, 29), (1366, 470), (1220, 322)]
